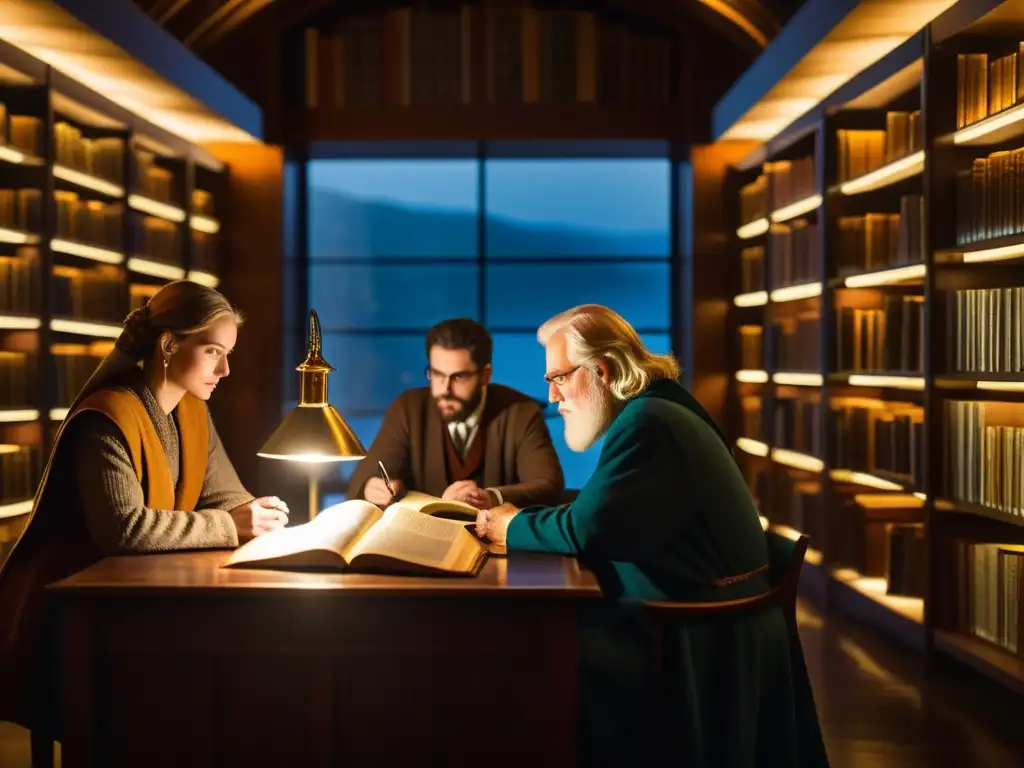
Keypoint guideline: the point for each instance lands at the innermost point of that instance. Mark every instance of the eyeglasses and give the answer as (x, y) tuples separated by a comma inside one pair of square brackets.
[(560, 379), (444, 378)]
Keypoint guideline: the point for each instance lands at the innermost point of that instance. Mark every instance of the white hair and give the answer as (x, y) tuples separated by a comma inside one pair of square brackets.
[(594, 332)]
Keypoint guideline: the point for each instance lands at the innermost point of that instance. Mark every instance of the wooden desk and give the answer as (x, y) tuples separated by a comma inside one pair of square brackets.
[(172, 660)]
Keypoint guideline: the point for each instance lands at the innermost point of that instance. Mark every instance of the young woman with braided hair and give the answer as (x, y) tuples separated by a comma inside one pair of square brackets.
[(136, 467)]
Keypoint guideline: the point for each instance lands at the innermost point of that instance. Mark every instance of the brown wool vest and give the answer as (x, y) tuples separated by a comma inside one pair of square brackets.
[(56, 543), (470, 468)]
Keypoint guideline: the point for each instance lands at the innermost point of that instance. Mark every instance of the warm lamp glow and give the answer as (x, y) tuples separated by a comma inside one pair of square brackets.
[(904, 168)]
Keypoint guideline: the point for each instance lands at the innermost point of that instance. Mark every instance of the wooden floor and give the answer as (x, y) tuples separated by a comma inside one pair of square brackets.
[(876, 709)]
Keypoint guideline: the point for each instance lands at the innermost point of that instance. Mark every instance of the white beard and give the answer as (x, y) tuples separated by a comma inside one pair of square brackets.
[(585, 427)]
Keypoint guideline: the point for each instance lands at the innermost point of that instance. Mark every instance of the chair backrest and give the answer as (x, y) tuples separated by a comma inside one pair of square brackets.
[(785, 561)]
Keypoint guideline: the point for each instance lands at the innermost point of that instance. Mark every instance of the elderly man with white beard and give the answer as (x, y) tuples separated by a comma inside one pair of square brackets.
[(666, 515)]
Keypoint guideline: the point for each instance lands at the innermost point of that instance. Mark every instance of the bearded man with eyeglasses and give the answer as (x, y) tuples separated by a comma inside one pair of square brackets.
[(462, 437)]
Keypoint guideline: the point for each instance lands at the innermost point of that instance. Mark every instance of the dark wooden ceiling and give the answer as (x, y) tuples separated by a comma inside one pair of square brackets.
[(203, 24)]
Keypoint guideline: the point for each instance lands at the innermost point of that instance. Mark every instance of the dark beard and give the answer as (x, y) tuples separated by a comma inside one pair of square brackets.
[(468, 406)]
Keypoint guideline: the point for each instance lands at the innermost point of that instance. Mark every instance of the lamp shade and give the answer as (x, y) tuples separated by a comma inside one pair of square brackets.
[(314, 431)]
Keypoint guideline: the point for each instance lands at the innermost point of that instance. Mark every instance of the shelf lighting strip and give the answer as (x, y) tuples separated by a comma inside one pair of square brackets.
[(93, 252), (12, 155), (799, 208), (17, 236), (904, 168), (156, 208), (88, 181), (16, 509), (203, 278), (753, 229), (754, 299), (796, 292), (994, 254), (749, 376), (206, 224), (85, 328), (19, 323), (14, 415), (796, 379), (895, 382), (59, 414), (863, 478), (797, 460), (155, 269), (887, 276), (989, 125), (753, 447)]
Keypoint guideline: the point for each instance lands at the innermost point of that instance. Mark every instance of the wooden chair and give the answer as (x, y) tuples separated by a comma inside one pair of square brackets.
[(785, 560)]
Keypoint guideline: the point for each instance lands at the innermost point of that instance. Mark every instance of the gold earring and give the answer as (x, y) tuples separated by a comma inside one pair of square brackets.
[(167, 361)]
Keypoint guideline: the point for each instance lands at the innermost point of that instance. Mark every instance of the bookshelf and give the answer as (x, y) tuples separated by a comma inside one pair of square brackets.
[(98, 209), (878, 393)]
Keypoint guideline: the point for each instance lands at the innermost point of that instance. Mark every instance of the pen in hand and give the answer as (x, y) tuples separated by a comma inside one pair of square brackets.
[(386, 479)]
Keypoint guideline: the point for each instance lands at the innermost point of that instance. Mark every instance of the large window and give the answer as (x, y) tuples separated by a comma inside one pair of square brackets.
[(395, 245)]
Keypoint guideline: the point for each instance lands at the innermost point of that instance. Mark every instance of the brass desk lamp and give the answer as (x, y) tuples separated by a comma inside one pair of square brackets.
[(313, 433)]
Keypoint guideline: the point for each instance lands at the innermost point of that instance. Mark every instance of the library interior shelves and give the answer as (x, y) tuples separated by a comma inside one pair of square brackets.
[(878, 398), (96, 213)]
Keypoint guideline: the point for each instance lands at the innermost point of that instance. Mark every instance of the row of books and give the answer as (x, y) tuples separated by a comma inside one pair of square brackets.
[(19, 281), (750, 417), (204, 251), (984, 591), (94, 293), (795, 253), (157, 239), (990, 197), (796, 425), (790, 180), (878, 240), (19, 472), (102, 157), (428, 56), (73, 364), (17, 376), (751, 347), (752, 269), (986, 330), (795, 342), (987, 85), (23, 132), (862, 151), (89, 221), (880, 438), (881, 536), (152, 179), (21, 209), (984, 455), (888, 338), (754, 200)]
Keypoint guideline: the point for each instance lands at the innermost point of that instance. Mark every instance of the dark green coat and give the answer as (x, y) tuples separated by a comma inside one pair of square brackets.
[(665, 513)]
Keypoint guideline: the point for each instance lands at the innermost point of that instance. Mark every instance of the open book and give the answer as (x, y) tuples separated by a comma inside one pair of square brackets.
[(432, 505), (356, 535)]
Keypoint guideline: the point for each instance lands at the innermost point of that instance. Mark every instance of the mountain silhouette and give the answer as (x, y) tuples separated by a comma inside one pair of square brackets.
[(344, 226)]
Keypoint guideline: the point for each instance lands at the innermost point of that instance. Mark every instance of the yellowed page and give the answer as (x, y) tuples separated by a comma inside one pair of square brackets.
[(333, 532), (431, 505), (411, 536)]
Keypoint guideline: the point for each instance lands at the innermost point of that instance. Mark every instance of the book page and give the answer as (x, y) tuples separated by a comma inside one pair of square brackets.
[(327, 539), (413, 537), (431, 505)]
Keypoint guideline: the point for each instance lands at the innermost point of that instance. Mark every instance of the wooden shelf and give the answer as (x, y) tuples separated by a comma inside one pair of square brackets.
[(984, 657), (978, 510), (865, 598)]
